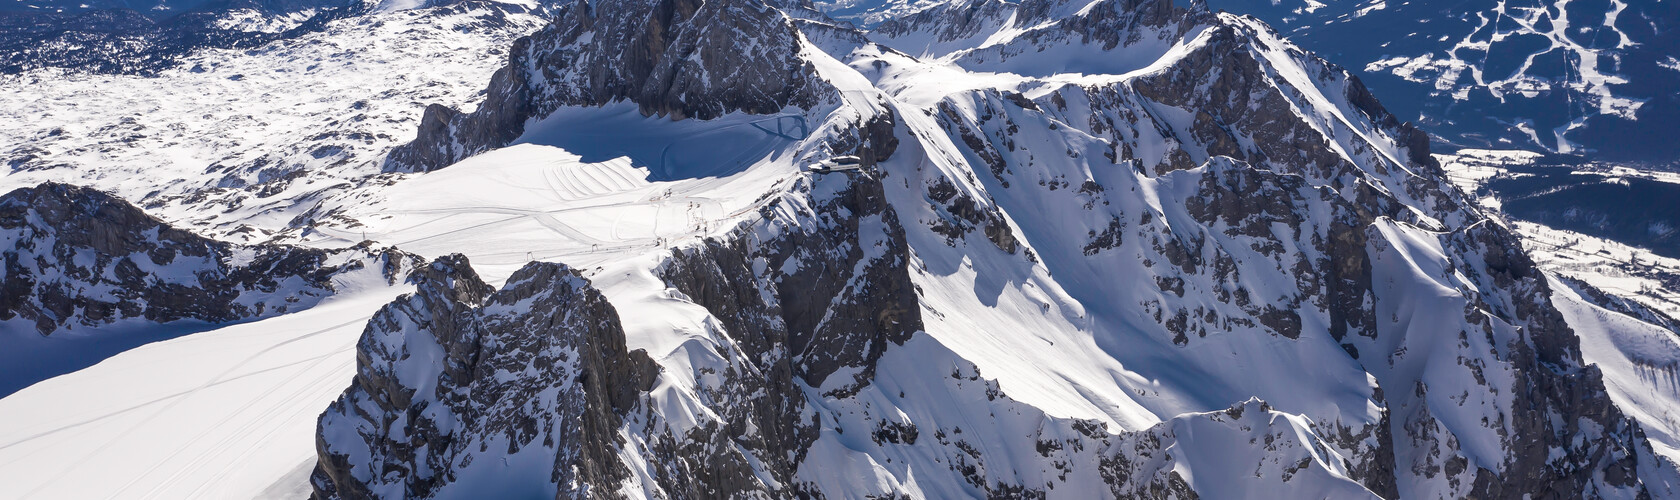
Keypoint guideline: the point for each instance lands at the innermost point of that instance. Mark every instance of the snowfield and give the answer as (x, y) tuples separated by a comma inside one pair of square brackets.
[(226, 413), (597, 200), (316, 111)]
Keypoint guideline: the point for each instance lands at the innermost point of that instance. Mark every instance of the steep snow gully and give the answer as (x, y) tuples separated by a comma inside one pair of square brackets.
[(1108, 248)]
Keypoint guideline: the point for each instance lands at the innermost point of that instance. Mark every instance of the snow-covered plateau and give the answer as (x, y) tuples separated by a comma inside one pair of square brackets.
[(1094, 249)]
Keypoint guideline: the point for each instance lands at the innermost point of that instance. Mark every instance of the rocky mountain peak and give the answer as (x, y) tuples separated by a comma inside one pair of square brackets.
[(998, 249), (673, 58), (445, 376)]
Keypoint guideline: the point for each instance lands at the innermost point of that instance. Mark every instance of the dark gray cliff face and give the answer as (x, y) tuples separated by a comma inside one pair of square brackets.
[(537, 370), (961, 28), (954, 20), (79, 258), (1568, 436), (829, 294), (1108, 24), (674, 58), (836, 274)]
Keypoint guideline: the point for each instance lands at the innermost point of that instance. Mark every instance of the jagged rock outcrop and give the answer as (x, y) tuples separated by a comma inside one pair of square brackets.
[(77, 258), (674, 58), (836, 296), (815, 308), (533, 377)]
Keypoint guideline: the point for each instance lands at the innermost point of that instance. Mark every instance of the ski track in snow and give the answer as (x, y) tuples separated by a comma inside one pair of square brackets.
[(219, 414)]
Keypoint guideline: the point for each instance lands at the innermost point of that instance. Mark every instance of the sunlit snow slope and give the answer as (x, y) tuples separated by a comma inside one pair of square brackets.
[(226, 413)]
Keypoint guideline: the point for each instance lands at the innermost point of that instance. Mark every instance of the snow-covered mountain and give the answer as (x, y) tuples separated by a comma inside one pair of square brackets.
[(121, 40), (164, 8), (230, 144), (1043, 283), (1593, 78), (1106, 248)]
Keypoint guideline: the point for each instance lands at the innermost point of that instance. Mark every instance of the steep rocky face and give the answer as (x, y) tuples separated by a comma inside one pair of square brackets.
[(1238, 101), (948, 24), (1589, 443), (837, 303), (536, 371), (815, 307), (674, 58), (77, 258)]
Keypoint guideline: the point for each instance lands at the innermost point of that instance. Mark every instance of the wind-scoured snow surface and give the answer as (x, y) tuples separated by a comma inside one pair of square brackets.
[(1117, 248)]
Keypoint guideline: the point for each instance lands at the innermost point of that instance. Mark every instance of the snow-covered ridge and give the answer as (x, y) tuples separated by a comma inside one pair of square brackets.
[(1625, 273)]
